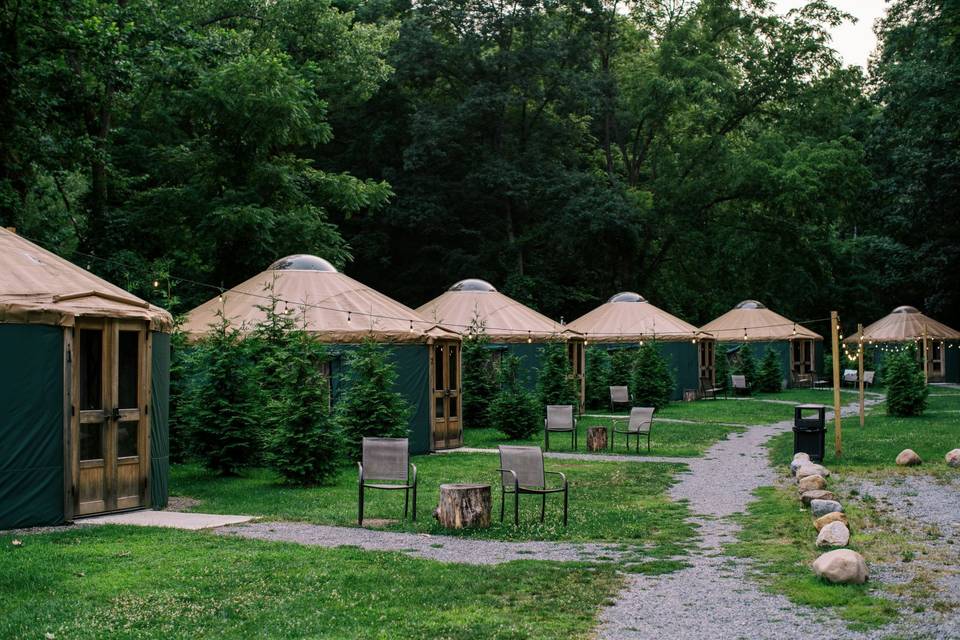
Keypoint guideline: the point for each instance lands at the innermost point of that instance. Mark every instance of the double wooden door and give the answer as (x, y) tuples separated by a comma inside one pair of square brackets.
[(110, 431), (445, 407)]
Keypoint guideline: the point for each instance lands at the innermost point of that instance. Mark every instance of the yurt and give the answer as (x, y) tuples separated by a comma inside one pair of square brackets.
[(84, 386), (752, 323), (337, 310), (628, 320), (511, 327), (938, 345)]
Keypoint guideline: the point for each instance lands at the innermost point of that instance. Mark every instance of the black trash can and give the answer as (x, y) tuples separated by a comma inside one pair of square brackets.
[(809, 430)]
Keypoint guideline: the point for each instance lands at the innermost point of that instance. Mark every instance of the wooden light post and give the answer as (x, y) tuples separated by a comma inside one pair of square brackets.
[(860, 369), (837, 436), (926, 360)]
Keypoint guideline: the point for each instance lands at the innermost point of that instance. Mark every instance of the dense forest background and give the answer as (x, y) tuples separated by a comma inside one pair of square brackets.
[(699, 152)]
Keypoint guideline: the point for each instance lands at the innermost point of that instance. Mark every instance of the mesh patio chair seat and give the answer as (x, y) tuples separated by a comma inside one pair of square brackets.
[(619, 396), (560, 419), (386, 462), (640, 423), (739, 385), (850, 377), (868, 377), (521, 471), (709, 389)]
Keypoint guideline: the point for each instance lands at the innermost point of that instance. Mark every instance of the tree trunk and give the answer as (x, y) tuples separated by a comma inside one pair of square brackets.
[(464, 506), (596, 438)]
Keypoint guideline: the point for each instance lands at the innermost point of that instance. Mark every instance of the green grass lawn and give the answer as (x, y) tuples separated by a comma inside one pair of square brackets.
[(781, 538), (608, 501), (132, 582), (877, 443)]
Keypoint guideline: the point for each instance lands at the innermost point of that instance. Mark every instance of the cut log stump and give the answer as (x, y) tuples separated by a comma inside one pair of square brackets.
[(596, 439), (464, 506)]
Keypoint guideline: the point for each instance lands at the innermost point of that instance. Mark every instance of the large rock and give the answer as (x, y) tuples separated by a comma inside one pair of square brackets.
[(801, 455), (841, 566), (799, 459), (812, 470), (908, 458), (817, 494), (953, 458), (834, 534), (823, 507), (811, 483), (833, 516)]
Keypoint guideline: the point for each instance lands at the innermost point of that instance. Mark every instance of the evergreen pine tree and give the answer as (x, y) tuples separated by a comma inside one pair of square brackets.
[(220, 412), (478, 377), (621, 368), (598, 377), (747, 365), (651, 384), (514, 410), (722, 371), (555, 381), (768, 378), (369, 407), (906, 389)]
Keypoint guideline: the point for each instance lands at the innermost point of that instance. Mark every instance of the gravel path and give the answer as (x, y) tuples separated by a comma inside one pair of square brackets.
[(715, 596), (442, 548), (590, 457)]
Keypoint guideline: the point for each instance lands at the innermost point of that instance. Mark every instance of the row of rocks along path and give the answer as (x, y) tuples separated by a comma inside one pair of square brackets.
[(714, 596)]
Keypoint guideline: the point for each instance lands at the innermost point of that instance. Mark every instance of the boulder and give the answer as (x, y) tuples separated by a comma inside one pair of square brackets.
[(812, 470), (833, 516), (811, 483), (817, 494), (801, 455), (841, 566), (834, 534), (799, 459), (823, 507), (953, 458), (908, 458)]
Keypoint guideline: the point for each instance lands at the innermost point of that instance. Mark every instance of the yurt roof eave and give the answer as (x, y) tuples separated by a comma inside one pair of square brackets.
[(759, 323), (632, 319)]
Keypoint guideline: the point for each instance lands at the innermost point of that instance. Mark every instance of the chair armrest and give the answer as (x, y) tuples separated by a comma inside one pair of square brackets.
[(557, 473), (516, 481), (413, 481), (360, 469)]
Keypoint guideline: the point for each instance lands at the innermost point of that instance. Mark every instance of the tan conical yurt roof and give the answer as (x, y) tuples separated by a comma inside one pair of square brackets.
[(905, 324), (39, 287), (505, 319), (329, 305), (759, 323), (628, 317)]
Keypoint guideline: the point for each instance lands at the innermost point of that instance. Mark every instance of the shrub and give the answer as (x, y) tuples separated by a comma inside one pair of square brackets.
[(621, 368), (906, 389), (768, 378), (722, 371), (827, 371), (478, 377), (369, 407), (303, 443), (747, 364), (651, 384), (598, 377), (514, 411), (220, 414), (555, 381)]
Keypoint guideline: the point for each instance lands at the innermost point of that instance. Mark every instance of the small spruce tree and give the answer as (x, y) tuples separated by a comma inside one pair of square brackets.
[(514, 410), (768, 377), (722, 373), (747, 365), (478, 377), (906, 389), (652, 383), (621, 368), (369, 407), (555, 381), (598, 377), (219, 405)]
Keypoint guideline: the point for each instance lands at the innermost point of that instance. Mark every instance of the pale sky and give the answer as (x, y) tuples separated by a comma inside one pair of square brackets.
[(854, 42)]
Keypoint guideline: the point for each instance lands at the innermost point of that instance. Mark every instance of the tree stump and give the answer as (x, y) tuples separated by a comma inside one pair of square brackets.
[(464, 506), (596, 439)]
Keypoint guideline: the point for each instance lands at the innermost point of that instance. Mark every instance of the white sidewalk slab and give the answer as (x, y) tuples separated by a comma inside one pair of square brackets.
[(172, 519)]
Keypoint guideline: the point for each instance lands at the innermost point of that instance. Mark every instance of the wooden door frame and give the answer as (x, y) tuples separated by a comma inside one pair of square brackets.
[(579, 362), (711, 366), (432, 381), (109, 391)]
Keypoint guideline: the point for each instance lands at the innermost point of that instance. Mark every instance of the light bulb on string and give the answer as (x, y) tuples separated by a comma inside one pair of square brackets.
[(156, 283), (349, 317), (529, 337)]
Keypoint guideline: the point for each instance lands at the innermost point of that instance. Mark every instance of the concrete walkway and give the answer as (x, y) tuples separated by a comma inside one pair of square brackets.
[(171, 519)]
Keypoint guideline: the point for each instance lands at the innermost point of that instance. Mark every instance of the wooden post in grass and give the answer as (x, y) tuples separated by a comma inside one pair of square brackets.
[(860, 369), (926, 363), (834, 330)]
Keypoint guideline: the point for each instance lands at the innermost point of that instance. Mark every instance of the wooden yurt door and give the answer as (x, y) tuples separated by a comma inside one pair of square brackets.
[(706, 358), (578, 365), (447, 430), (110, 435)]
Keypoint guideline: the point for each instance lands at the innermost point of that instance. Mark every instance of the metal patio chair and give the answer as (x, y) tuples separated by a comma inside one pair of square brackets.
[(386, 461), (740, 385), (850, 377), (619, 396), (639, 424), (868, 377), (560, 419), (708, 389), (521, 471)]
